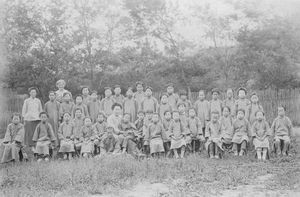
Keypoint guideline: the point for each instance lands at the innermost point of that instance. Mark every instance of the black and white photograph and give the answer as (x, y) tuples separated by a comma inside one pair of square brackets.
[(149, 98)]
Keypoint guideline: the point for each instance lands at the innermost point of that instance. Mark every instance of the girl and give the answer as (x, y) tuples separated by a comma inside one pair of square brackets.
[(67, 106), (147, 122), (139, 95), (139, 124), (164, 106), (31, 110), (282, 129), (109, 142), (119, 98), (87, 136), (86, 98), (60, 84), (202, 109), (52, 109), (172, 97), (79, 104), (166, 121), (215, 103), (260, 134), (154, 136), (226, 128), (230, 102), (195, 129), (43, 137), (107, 102), (183, 119), (149, 102), (241, 133), (183, 98), (100, 129), (78, 124), (242, 102), (177, 133), (13, 140), (130, 105), (213, 136), (253, 108), (66, 137), (93, 106)]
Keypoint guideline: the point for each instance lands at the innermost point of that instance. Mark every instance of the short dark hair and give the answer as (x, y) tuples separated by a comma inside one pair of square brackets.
[(116, 105), (16, 114), (40, 115), (226, 108), (242, 110)]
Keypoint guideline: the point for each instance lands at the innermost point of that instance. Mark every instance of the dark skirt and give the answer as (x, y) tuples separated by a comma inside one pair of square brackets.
[(29, 127)]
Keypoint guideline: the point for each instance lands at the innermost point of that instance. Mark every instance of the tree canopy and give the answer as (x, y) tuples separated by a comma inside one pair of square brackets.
[(195, 45)]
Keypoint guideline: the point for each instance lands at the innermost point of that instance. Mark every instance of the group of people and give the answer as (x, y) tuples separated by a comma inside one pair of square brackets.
[(140, 125)]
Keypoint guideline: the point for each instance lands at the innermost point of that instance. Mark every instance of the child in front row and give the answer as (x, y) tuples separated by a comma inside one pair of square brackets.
[(166, 121), (282, 130), (154, 136), (13, 140), (177, 135), (43, 137), (226, 122), (195, 128), (260, 134), (139, 124), (100, 130), (66, 137), (213, 136), (87, 138), (241, 133)]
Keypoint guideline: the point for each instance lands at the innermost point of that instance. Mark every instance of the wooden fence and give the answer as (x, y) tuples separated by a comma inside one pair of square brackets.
[(269, 99)]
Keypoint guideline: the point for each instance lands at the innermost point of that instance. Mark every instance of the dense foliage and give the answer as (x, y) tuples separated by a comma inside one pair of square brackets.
[(101, 43)]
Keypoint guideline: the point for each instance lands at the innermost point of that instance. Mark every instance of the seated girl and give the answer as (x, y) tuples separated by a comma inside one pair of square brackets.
[(66, 137)]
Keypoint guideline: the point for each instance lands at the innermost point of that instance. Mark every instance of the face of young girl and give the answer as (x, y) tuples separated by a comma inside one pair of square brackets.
[(259, 115), (85, 91), (192, 113), (60, 85), (242, 94), (100, 118), (225, 112), (78, 100), (141, 115), (148, 92), (139, 88), (254, 99), (170, 90), (67, 117), (117, 91), (16, 119), (148, 116), (33, 93), (155, 118), (215, 96), (183, 97), (52, 96), (117, 110), (87, 122), (240, 115), (44, 118), (164, 99), (126, 118), (201, 95), (107, 93), (129, 93), (281, 111), (176, 116), (229, 93), (181, 108), (168, 115), (78, 113), (214, 117), (94, 96)]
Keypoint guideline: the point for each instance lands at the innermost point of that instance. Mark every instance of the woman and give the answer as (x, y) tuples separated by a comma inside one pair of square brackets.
[(31, 110)]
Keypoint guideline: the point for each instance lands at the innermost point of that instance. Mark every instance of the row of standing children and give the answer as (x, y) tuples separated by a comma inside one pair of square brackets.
[(174, 124)]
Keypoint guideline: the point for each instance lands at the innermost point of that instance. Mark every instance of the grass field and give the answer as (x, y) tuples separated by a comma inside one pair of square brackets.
[(123, 176)]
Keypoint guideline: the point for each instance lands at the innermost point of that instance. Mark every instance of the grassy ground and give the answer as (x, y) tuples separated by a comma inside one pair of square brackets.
[(123, 176)]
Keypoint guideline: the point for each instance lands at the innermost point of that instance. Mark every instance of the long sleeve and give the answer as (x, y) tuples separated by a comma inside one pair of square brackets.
[(24, 108), (36, 133), (20, 135), (207, 131), (7, 137), (60, 132), (51, 133), (40, 106), (199, 127)]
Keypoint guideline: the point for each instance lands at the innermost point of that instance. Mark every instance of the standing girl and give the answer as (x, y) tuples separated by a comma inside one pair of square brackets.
[(164, 106), (31, 110), (253, 108)]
